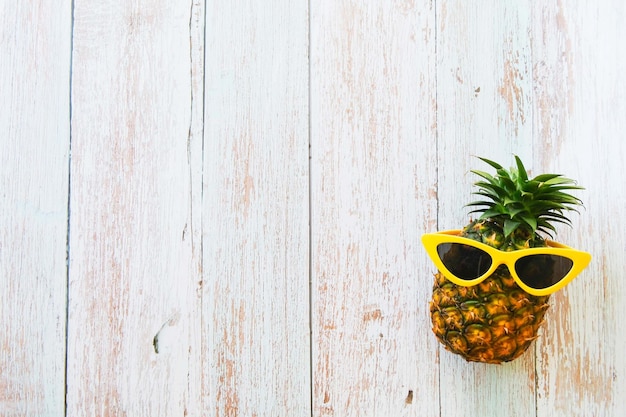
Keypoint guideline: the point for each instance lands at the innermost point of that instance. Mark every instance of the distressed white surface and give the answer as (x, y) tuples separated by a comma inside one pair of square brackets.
[(484, 98), (372, 132), (135, 247), (581, 355), (247, 187), (35, 45), (256, 341)]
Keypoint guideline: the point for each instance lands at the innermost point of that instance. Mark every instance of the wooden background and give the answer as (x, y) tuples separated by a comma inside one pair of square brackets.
[(214, 208)]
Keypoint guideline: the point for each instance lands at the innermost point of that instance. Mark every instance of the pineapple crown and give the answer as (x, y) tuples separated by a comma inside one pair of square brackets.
[(517, 203)]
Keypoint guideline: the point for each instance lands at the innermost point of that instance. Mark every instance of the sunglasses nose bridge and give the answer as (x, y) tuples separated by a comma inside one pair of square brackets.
[(509, 263)]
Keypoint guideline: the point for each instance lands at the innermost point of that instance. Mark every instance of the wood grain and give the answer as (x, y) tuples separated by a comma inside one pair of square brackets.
[(35, 46), (256, 359), (582, 105), (484, 102), (372, 137), (134, 304), (247, 186)]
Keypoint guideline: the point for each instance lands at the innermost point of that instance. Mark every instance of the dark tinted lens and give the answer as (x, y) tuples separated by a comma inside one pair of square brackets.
[(542, 271), (465, 262)]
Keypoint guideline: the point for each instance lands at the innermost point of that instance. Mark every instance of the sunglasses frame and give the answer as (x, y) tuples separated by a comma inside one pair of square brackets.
[(579, 259)]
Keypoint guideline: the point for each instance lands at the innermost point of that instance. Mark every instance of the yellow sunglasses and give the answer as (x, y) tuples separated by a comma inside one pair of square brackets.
[(538, 271)]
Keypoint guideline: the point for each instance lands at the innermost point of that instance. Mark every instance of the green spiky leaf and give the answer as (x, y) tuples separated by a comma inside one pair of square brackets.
[(521, 171), (523, 205), (510, 226)]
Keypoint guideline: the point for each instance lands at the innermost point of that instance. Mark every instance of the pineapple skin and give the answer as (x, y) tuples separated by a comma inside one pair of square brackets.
[(494, 321)]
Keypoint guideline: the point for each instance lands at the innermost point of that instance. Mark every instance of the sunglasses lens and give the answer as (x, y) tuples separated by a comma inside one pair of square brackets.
[(465, 262), (542, 271)]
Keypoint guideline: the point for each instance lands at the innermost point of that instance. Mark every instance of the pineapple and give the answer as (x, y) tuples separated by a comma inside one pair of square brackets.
[(496, 321)]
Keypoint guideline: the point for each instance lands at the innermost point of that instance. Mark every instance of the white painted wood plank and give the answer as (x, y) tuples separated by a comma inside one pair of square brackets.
[(256, 356), (373, 176), (34, 148), (580, 124), (134, 299), (539, 80), (484, 102)]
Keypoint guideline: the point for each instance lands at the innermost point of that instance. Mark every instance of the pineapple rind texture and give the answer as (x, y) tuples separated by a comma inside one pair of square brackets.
[(493, 322), (496, 321)]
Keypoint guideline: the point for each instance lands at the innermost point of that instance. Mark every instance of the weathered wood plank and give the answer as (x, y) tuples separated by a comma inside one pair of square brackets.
[(484, 102), (191, 224), (373, 176), (581, 108), (35, 47), (256, 359), (134, 304)]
